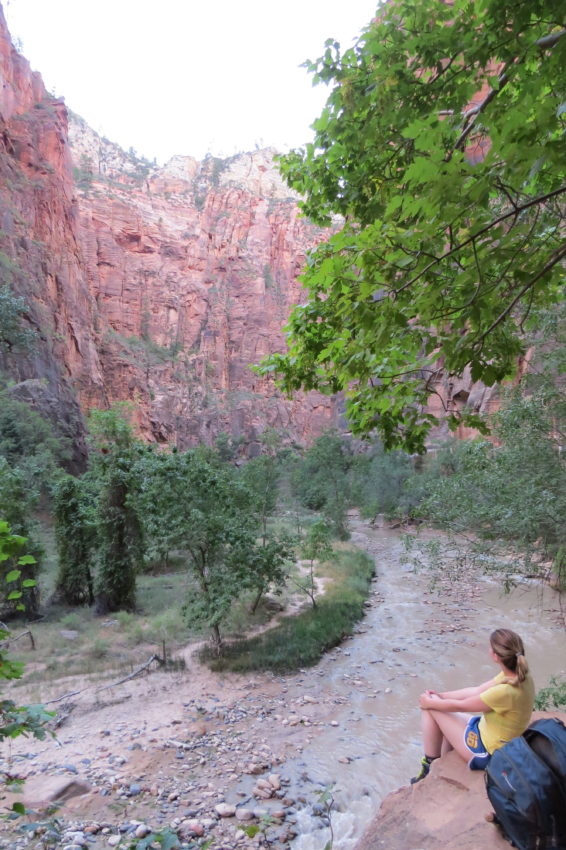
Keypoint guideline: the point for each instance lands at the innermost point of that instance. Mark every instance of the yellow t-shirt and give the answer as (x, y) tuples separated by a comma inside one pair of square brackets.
[(511, 708)]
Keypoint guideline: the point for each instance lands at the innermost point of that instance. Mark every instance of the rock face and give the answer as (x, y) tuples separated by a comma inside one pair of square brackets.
[(154, 285), (193, 268), (446, 811), (40, 256)]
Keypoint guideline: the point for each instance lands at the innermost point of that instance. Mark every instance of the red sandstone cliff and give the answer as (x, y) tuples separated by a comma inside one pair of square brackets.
[(159, 286), (193, 268), (40, 254)]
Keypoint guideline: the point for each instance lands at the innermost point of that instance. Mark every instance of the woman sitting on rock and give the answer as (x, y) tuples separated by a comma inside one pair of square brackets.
[(505, 702)]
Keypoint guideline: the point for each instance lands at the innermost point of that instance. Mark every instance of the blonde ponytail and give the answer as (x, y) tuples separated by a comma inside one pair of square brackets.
[(509, 648)]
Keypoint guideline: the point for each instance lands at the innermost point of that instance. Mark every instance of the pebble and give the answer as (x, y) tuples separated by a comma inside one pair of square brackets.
[(142, 830), (225, 810)]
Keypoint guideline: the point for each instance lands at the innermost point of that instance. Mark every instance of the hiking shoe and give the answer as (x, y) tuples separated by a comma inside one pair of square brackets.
[(423, 773)]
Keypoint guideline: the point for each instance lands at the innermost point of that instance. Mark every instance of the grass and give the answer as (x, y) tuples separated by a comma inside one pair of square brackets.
[(301, 640), (116, 643)]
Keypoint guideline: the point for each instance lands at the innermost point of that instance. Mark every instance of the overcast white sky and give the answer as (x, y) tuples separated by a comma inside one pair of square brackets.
[(186, 76)]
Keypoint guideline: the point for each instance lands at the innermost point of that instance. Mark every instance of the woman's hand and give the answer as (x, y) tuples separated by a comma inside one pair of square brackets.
[(429, 699)]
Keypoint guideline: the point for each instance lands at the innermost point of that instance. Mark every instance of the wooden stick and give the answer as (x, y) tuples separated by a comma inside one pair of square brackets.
[(65, 696), (10, 640), (134, 674)]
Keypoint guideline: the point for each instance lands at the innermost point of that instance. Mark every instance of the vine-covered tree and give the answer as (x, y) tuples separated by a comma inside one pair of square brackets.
[(75, 537), (442, 147), (119, 533)]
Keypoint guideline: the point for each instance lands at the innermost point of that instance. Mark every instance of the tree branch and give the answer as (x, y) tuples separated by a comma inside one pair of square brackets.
[(551, 263), (533, 202), (471, 115)]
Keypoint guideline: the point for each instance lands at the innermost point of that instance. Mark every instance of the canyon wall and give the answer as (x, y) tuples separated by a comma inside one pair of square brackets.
[(193, 269), (159, 286), (40, 254)]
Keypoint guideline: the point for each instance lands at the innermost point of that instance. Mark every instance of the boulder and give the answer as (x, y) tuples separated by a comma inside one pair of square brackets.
[(39, 791), (445, 811)]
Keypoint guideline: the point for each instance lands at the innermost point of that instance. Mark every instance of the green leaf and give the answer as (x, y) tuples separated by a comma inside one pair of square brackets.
[(26, 559), (13, 575)]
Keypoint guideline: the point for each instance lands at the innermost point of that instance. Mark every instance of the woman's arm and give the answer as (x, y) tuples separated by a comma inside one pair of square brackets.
[(463, 693), (436, 702)]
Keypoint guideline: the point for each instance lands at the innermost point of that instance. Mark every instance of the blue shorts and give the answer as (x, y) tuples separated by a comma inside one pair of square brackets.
[(472, 739)]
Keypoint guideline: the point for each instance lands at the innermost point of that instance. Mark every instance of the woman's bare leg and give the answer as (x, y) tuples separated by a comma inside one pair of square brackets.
[(442, 729), (432, 734)]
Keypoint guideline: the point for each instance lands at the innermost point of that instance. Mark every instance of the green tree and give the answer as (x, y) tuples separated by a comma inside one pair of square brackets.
[(119, 533), (321, 480), (75, 534), (442, 147), (317, 546), (380, 482), (196, 505), (267, 565)]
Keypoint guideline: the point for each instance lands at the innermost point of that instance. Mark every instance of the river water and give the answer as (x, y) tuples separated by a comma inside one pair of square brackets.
[(411, 639)]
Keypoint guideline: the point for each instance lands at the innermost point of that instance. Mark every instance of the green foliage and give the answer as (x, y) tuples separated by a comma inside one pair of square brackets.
[(30, 459), (453, 215), (227, 446), (514, 491), (75, 534), (261, 475), (16, 720), (14, 335), (553, 696), (316, 546), (15, 504), (320, 480), (301, 640), (381, 481), (83, 174), (110, 430), (195, 503)]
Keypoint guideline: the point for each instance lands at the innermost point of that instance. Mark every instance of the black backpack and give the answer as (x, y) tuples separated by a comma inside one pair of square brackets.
[(526, 785)]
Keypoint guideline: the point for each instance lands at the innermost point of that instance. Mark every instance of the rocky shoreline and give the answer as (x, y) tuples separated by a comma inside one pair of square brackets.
[(208, 774)]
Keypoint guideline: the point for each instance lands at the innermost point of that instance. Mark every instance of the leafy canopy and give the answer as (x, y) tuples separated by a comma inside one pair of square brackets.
[(442, 148)]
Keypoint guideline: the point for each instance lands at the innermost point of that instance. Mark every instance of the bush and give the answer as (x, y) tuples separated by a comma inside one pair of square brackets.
[(553, 696)]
